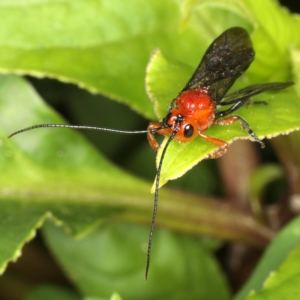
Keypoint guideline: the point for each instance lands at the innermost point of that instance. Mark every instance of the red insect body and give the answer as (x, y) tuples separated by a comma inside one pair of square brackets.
[(197, 106), (197, 111)]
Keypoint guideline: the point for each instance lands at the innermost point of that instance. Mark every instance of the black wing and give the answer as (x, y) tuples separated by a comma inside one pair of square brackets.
[(225, 60), (253, 90)]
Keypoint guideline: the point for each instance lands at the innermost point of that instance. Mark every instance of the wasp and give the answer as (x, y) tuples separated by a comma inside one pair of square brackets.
[(200, 103)]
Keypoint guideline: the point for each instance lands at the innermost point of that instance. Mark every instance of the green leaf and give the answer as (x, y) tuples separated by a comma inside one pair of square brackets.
[(104, 48), (47, 174), (227, 12), (279, 117), (163, 81), (49, 292), (96, 45), (284, 282), (117, 251), (56, 174), (295, 57), (115, 296), (282, 115), (273, 34), (284, 243)]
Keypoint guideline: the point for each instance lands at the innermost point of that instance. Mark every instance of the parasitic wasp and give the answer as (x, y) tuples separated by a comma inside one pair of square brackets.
[(199, 105)]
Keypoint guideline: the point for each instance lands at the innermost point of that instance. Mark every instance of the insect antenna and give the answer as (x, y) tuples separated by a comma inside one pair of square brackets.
[(156, 201), (83, 127)]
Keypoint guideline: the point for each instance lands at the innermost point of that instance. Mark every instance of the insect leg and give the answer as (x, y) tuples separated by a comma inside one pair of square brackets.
[(246, 101), (152, 127), (223, 146), (244, 124), (233, 108)]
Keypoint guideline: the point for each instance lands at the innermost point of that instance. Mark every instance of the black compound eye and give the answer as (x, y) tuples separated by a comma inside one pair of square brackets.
[(188, 131)]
